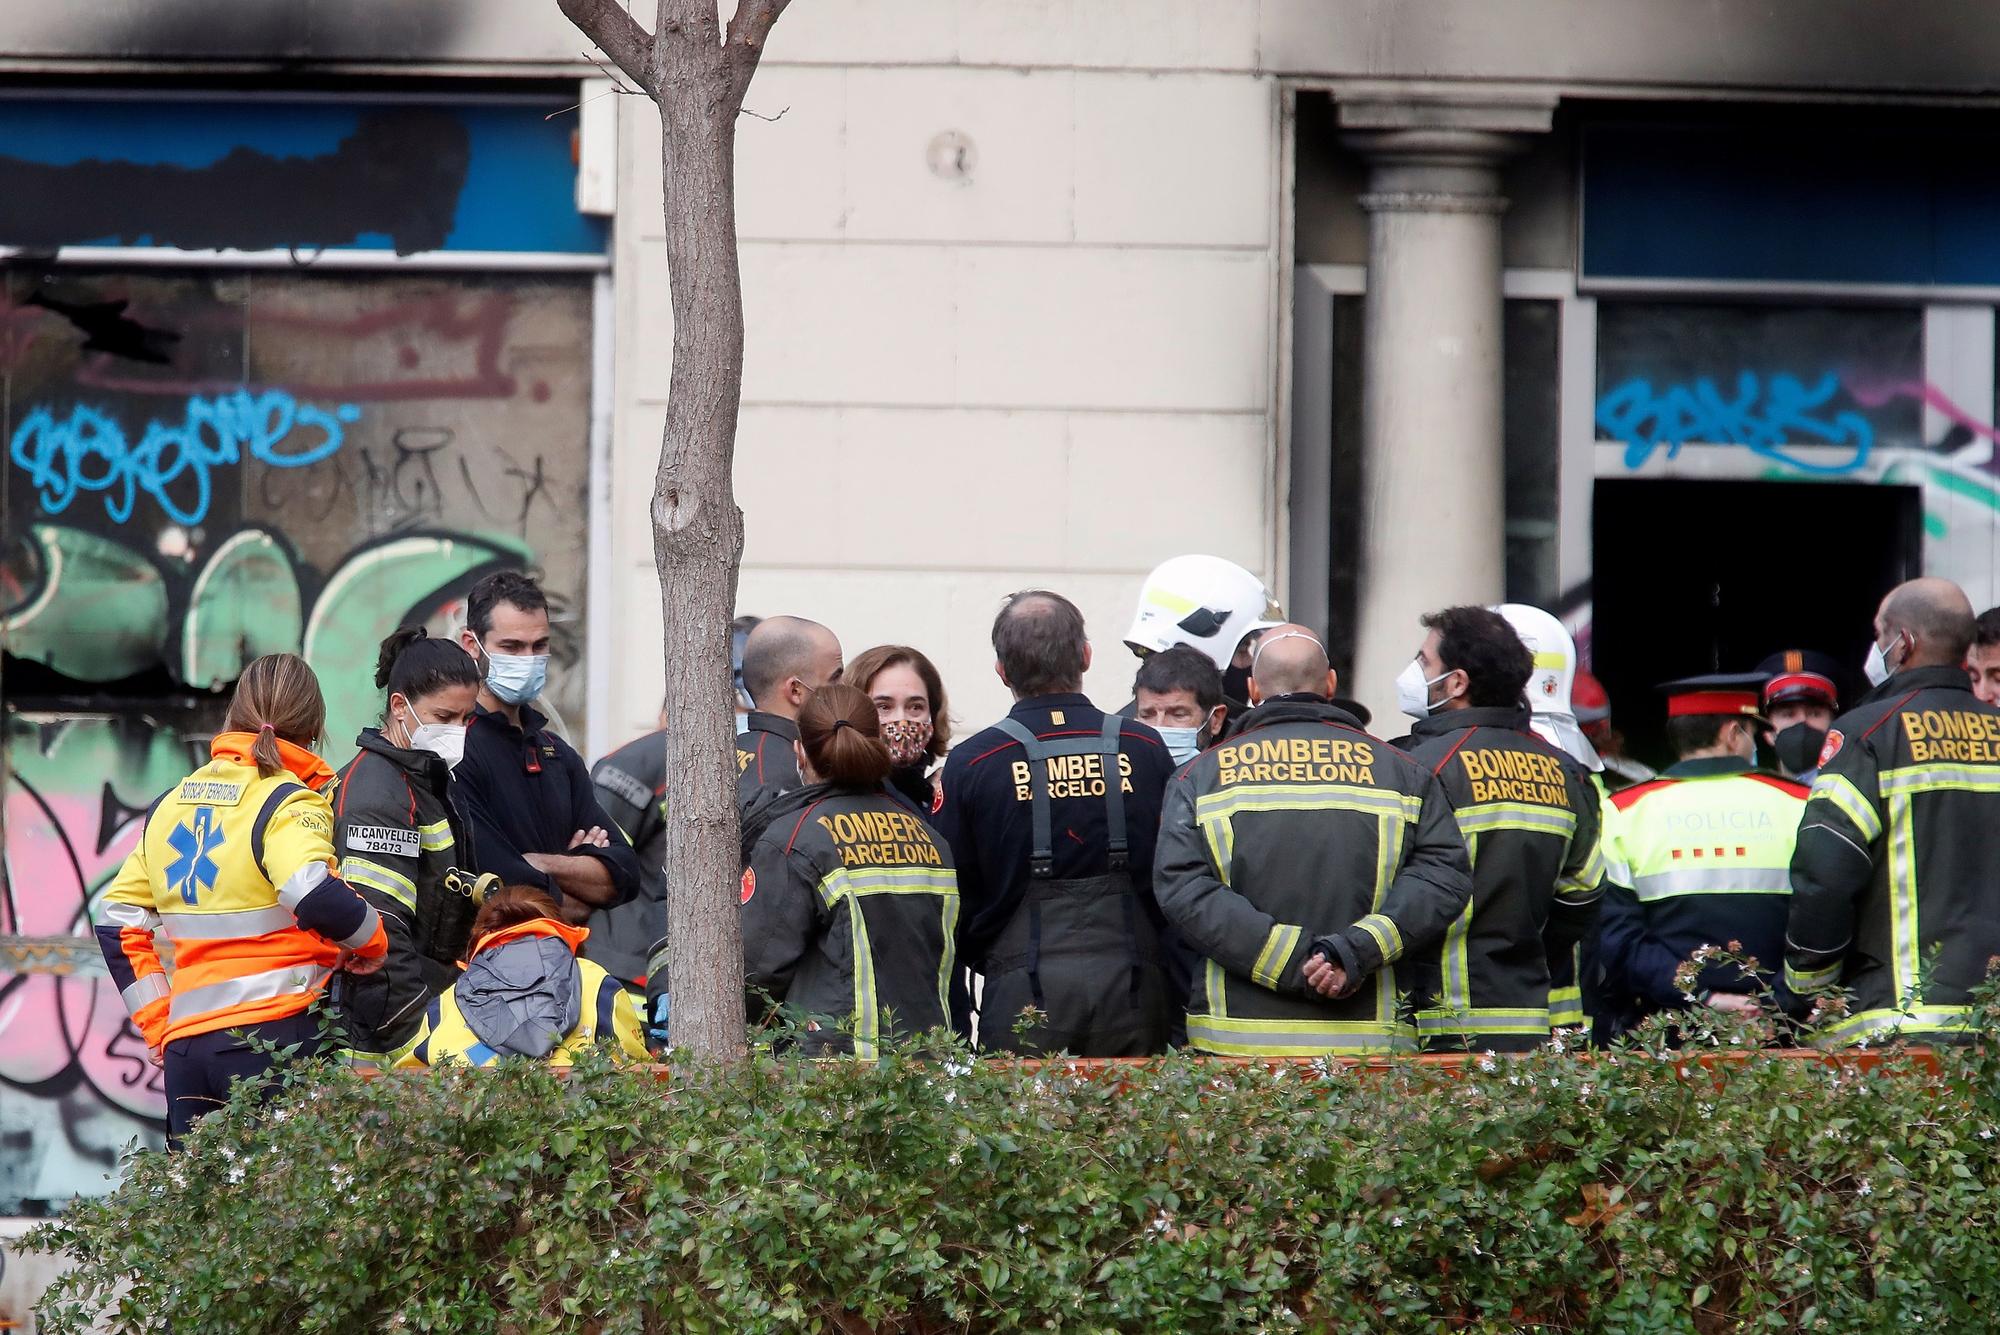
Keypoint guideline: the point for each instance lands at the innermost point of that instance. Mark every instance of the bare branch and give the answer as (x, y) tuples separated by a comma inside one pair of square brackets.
[(618, 35), (758, 115), (743, 46)]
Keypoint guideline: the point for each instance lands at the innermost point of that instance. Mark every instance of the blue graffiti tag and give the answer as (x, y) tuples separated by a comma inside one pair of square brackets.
[(1763, 418), (88, 451)]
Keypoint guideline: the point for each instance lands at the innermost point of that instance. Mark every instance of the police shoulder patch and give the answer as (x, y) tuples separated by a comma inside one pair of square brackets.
[(381, 839), (1834, 741), (749, 883)]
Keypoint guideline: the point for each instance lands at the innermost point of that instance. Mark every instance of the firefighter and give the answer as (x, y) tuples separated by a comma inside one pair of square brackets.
[(235, 863), (1698, 857), (401, 840), (1051, 816), (1895, 899), (1303, 859), (1551, 694), (524, 993), (850, 904), (1529, 818), (631, 786), (785, 659)]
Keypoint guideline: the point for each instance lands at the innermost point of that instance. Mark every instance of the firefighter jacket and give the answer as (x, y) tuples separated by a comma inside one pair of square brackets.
[(1303, 832), (1896, 878), (238, 870), (764, 757), (526, 994), (402, 844), (1530, 825), (1697, 857), (850, 912), (631, 787)]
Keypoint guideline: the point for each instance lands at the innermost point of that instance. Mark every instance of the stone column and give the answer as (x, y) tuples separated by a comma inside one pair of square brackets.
[(1432, 465)]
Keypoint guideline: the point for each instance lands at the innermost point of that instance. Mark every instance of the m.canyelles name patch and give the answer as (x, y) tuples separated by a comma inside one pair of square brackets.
[(381, 839)]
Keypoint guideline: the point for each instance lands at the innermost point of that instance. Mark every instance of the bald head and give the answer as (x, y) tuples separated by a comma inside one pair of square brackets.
[(1289, 660), (1933, 616), (786, 659)]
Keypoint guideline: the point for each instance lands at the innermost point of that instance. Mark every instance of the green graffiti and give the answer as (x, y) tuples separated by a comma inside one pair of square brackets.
[(245, 604), (98, 613)]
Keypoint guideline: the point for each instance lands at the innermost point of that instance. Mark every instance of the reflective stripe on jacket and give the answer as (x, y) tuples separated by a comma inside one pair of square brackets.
[(1530, 822), (1896, 878), (236, 869), (1303, 826)]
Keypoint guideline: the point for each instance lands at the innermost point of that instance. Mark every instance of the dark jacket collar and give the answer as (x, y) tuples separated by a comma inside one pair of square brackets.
[(1513, 718), (1067, 700), (1296, 709), (424, 765), (532, 720), (1707, 767), (759, 721), (1920, 679)]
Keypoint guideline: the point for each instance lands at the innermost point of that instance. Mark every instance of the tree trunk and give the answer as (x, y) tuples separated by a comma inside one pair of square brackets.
[(698, 76)]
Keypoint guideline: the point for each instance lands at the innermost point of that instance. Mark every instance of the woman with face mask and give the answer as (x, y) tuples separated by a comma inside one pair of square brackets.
[(910, 704), (401, 841)]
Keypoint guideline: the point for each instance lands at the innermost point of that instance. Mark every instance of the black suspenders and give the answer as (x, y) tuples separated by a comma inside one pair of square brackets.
[(1042, 864)]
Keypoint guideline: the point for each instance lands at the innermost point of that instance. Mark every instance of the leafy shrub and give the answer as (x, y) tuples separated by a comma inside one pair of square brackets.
[(1631, 1192)]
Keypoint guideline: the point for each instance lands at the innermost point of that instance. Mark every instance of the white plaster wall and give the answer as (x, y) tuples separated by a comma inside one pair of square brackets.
[(1056, 369)]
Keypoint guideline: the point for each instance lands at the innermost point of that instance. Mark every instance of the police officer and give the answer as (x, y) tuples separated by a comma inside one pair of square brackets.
[(1529, 818), (1800, 699), (784, 660), (235, 864), (1698, 857), (1052, 815), (631, 786), (1896, 899), (1301, 860)]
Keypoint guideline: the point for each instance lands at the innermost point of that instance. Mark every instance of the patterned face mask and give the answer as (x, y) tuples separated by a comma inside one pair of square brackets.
[(907, 740)]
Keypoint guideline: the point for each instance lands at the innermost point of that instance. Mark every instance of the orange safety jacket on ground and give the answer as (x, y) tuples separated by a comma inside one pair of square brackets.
[(239, 871)]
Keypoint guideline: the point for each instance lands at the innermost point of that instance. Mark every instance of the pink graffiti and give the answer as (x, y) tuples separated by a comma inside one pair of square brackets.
[(1875, 393), (52, 1023)]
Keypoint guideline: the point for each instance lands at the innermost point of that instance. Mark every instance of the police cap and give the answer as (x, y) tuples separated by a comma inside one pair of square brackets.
[(1800, 674), (1733, 693)]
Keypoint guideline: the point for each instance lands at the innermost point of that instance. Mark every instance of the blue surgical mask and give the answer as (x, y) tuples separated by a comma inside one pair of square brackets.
[(517, 678), (1183, 744)]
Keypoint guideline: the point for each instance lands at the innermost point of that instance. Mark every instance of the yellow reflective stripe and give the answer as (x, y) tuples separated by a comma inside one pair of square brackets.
[(1278, 947), (1586, 883), (1297, 1038), (1489, 1020), (1217, 980), (1456, 992), (896, 880), (1523, 816), (1307, 797), (1917, 1019), (1940, 778), (867, 1015), (1849, 802), (1565, 1006), (1221, 836), (950, 952), (360, 871), (1389, 856), (1387, 937), (435, 837), (1902, 901), (1812, 980)]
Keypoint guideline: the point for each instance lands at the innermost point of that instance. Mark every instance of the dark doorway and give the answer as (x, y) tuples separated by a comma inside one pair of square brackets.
[(1695, 577)]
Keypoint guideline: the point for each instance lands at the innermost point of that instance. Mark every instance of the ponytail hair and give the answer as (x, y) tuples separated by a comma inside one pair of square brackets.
[(842, 737), (276, 697), (413, 665)]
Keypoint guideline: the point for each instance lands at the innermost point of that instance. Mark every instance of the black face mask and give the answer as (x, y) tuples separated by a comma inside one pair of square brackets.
[(1236, 682), (1798, 747)]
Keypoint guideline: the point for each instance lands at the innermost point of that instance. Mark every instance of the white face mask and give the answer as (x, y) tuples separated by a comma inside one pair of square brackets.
[(1413, 693), (446, 741), (517, 678), (1877, 669), (1183, 744)]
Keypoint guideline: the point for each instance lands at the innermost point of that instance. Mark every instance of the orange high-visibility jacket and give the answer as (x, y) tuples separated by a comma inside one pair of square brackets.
[(239, 871)]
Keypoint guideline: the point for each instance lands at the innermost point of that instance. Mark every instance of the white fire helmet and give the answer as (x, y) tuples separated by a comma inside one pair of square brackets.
[(1549, 684), (1202, 601)]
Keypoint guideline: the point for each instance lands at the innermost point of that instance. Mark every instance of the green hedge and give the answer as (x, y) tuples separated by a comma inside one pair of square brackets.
[(1560, 1191)]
